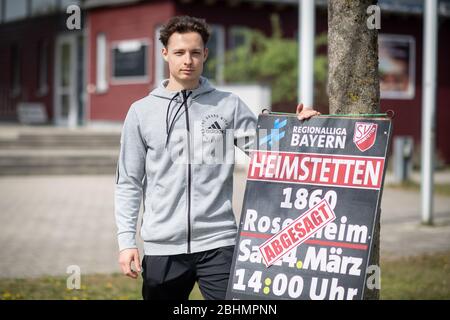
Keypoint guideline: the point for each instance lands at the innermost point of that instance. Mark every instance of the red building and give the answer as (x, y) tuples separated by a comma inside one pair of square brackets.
[(92, 74)]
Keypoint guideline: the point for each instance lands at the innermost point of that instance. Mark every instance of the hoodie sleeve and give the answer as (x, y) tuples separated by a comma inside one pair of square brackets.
[(244, 126), (129, 181)]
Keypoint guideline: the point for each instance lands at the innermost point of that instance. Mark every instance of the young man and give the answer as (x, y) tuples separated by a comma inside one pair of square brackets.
[(168, 141)]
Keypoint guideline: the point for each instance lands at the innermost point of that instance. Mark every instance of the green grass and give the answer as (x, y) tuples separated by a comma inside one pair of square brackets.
[(423, 277), (440, 189), (93, 287)]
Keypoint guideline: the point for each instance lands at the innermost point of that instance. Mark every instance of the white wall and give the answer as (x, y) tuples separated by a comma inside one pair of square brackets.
[(257, 97)]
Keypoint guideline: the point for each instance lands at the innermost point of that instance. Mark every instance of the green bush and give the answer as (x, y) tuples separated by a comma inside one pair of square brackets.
[(273, 61)]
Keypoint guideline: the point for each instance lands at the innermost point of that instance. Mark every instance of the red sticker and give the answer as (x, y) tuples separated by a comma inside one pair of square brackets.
[(300, 230)]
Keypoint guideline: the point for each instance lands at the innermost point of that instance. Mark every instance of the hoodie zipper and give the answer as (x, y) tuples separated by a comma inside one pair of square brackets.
[(189, 172)]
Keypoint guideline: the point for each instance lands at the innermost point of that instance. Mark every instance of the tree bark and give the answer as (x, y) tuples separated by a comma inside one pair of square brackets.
[(353, 79)]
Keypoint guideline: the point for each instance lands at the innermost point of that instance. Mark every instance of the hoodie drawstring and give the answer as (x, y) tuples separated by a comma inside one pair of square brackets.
[(167, 113), (170, 125)]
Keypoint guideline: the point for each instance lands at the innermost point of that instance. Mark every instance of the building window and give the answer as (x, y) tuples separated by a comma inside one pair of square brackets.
[(65, 3), (214, 65), (42, 74), (43, 6), (397, 66), (15, 10), (1, 10), (161, 67), (129, 61), (101, 82), (15, 70)]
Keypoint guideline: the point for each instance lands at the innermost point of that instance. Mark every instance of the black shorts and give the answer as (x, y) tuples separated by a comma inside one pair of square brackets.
[(173, 277)]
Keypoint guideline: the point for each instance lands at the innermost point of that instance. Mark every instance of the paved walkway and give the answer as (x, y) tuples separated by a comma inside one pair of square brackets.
[(50, 222)]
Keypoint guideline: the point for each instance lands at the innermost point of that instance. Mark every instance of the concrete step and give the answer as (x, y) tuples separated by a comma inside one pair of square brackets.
[(59, 141), (26, 150), (50, 161)]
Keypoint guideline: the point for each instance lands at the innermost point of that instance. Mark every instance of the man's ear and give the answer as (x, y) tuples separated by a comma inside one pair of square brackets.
[(205, 53), (165, 53)]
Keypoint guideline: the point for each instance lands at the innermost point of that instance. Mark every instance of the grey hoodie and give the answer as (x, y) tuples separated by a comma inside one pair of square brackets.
[(186, 184)]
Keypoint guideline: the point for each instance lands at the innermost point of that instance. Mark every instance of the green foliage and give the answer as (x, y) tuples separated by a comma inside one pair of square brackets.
[(273, 61)]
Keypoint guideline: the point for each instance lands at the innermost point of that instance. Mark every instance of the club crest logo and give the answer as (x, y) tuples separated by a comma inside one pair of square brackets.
[(365, 135)]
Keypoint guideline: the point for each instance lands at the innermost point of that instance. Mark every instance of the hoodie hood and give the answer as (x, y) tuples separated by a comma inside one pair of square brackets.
[(177, 97), (162, 92)]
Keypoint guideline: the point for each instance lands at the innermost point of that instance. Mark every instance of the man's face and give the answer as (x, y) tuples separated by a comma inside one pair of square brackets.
[(185, 54)]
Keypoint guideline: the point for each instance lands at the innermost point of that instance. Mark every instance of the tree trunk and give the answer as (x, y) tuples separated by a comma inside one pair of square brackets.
[(353, 80)]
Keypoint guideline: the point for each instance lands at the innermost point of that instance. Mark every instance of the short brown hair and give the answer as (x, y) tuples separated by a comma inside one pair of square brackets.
[(184, 24)]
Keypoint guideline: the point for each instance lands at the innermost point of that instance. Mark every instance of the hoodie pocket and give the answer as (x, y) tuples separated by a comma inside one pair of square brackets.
[(158, 197), (165, 217)]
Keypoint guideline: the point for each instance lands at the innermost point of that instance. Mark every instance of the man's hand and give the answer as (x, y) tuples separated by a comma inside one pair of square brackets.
[(306, 113), (126, 257)]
